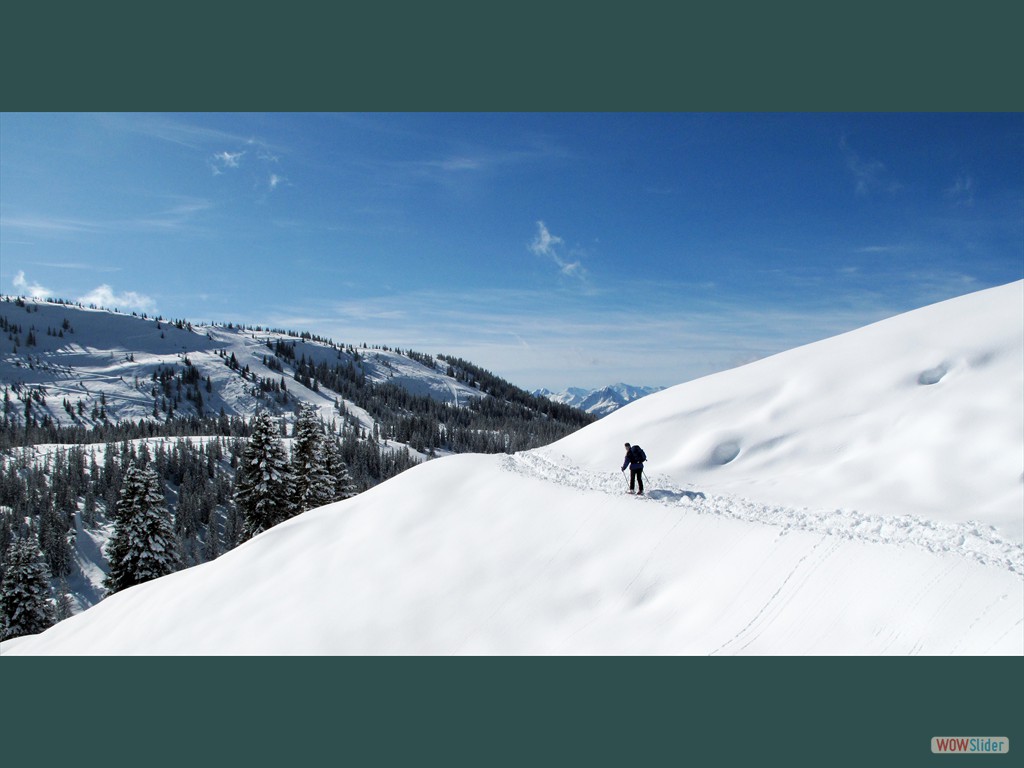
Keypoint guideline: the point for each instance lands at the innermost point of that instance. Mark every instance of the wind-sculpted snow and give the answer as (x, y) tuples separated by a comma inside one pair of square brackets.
[(971, 540)]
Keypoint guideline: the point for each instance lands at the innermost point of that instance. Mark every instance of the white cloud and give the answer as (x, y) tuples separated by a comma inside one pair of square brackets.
[(229, 159), (225, 160), (545, 242), (35, 290), (104, 296), (571, 268), (549, 245)]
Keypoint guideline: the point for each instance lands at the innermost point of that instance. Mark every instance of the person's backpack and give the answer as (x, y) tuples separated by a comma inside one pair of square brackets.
[(638, 455)]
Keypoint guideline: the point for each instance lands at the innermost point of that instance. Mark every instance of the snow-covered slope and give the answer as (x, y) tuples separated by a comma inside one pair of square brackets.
[(599, 402), (103, 358), (861, 495), (921, 414)]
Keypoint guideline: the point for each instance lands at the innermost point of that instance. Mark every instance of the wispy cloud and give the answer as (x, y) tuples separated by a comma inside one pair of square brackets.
[(933, 285), (105, 296), (540, 338), (256, 165), (49, 225), (35, 290), (462, 165), (224, 160), (550, 246), (452, 172), (179, 213), (545, 243), (874, 250), (459, 164), (870, 176), (961, 192), (172, 130), (78, 265), (222, 151)]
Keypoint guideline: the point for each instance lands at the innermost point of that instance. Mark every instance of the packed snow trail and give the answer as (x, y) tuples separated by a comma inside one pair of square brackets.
[(971, 540)]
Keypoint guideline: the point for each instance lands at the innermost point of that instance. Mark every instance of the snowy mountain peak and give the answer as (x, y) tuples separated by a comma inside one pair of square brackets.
[(599, 402)]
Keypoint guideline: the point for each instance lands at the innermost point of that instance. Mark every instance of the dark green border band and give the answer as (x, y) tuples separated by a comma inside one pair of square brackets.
[(731, 55), (505, 711)]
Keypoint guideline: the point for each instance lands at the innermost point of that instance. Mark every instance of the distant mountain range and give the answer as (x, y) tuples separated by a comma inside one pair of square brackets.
[(599, 402)]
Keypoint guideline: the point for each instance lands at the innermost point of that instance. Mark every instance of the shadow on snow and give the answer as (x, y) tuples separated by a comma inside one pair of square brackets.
[(675, 495)]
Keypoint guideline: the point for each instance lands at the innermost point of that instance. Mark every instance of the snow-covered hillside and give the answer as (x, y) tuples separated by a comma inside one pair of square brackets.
[(921, 414), (599, 402), (102, 359), (72, 374), (860, 495)]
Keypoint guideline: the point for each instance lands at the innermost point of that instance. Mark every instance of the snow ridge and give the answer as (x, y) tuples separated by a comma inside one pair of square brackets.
[(971, 540)]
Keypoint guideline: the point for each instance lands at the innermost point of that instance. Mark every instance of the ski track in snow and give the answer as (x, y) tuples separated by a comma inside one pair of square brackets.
[(754, 626), (971, 540)]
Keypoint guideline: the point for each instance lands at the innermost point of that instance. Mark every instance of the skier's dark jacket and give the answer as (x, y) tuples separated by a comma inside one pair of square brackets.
[(635, 458)]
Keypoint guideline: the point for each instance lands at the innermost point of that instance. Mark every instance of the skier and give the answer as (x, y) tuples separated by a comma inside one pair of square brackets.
[(635, 458)]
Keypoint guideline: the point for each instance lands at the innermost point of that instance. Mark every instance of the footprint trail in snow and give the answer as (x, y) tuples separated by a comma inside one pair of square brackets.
[(971, 540)]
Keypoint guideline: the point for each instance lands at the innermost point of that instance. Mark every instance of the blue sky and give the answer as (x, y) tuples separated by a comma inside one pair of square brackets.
[(553, 249)]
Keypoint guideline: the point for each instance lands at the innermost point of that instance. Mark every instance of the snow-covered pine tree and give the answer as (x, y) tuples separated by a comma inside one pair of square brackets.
[(344, 486), (25, 600), (263, 481), (64, 606), (53, 539), (142, 546), (314, 484)]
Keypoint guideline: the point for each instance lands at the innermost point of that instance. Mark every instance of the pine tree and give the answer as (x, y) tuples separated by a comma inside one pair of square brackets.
[(142, 546), (344, 486), (25, 605), (53, 539), (211, 544), (314, 485), (263, 481), (64, 605)]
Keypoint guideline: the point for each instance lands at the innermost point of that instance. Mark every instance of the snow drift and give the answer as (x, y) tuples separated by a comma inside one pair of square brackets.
[(860, 495)]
